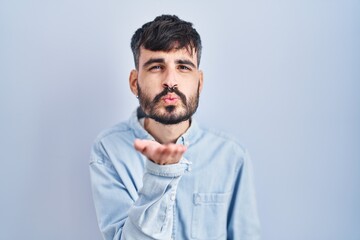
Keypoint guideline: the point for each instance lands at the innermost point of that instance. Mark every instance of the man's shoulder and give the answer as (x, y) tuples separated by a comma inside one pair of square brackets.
[(111, 142), (223, 138), (121, 129)]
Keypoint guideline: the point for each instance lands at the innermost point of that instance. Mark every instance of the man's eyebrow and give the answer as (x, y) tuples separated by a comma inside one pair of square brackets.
[(153, 60), (185, 62)]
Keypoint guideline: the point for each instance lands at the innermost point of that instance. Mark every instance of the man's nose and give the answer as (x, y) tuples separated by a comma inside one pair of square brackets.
[(170, 80)]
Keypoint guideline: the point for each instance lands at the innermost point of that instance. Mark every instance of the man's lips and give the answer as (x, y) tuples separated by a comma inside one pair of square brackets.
[(170, 98)]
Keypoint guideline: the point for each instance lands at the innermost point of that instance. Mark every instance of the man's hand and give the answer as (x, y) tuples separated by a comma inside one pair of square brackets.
[(158, 153)]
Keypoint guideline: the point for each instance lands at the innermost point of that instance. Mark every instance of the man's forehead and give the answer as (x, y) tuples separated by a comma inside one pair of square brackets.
[(183, 53)]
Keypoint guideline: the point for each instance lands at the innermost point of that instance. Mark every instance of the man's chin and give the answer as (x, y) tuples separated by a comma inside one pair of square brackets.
[(170, 112), (170, 109), (169, 115)]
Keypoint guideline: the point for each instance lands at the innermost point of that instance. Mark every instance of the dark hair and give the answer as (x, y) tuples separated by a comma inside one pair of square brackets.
[(165, 33)]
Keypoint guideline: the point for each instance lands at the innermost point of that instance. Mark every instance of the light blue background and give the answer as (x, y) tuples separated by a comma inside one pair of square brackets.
[(283, 76)]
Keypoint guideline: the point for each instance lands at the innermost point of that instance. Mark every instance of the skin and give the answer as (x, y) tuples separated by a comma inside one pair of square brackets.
[(175, 68)]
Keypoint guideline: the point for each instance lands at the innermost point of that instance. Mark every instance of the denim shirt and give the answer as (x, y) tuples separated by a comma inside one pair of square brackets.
[(208, 195)]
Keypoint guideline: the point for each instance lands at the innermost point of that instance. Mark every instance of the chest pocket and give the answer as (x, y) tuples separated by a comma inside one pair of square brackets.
[(209, 219)]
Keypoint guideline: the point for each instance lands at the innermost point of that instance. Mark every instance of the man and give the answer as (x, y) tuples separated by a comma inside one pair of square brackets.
[(159, 175)]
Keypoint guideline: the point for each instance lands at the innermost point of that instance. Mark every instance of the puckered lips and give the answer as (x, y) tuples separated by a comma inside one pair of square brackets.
[(170, 98)]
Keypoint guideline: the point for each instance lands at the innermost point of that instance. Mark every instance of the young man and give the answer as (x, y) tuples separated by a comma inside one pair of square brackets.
[(159, 175)]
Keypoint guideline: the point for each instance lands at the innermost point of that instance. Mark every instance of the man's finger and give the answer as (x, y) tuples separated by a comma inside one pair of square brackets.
[(139, 145), (161, 154)]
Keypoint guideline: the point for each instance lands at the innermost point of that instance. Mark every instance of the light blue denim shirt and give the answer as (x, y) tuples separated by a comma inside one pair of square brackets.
[(208, 195)]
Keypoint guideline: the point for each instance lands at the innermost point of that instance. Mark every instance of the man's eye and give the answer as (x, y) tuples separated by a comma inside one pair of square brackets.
[(156, 68), (184, 67)]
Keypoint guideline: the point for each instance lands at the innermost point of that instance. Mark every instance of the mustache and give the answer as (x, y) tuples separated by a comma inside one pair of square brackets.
[(170, 90)]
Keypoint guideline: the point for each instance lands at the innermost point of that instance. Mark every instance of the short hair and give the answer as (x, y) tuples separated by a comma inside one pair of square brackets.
[(165, 33)]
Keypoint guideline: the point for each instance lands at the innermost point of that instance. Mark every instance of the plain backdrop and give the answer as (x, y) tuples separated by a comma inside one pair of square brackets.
[(282, 76)]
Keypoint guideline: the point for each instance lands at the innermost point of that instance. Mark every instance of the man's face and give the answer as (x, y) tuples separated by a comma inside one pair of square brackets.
[(168, 84)]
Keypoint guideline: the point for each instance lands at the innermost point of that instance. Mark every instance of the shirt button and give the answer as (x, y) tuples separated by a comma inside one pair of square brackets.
[(198, 199), (172, 197)]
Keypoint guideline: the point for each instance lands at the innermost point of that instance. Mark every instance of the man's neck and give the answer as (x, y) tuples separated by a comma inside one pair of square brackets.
[(165, 133)]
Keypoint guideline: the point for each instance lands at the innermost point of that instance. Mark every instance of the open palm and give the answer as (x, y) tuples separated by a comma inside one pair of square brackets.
[(161, 154)]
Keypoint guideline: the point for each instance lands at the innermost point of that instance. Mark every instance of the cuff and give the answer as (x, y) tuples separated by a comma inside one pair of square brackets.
[(170, 170)]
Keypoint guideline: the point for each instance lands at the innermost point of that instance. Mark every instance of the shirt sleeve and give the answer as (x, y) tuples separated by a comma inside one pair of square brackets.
[(147, 214), (244, 222)]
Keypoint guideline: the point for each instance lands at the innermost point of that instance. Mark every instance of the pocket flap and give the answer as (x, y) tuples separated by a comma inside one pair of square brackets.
[(210, 198)]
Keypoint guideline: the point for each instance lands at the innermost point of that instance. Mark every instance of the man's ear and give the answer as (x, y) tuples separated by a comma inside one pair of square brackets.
[(133, 78), (201, 80)]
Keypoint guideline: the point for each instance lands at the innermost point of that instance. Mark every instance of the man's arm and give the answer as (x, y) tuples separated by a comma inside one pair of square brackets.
[(148, 213), (243, 220)]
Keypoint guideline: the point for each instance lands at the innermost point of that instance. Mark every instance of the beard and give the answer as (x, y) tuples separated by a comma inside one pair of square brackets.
[(170, 114)]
